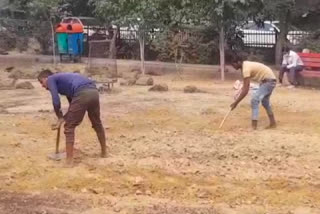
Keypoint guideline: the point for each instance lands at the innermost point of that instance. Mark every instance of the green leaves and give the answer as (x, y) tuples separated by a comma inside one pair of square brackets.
[(147, 13)]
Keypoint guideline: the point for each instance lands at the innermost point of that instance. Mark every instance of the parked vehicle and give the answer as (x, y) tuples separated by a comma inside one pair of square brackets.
[(259, 36)]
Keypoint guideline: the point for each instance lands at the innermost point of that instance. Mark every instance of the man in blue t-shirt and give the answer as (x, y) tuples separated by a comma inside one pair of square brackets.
[(83, 97)]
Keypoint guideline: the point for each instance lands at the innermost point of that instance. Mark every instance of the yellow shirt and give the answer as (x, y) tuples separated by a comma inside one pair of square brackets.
[(257, 71)]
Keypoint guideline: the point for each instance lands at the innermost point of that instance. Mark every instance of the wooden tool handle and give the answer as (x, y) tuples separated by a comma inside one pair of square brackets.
[(58, 140), (225, 117)]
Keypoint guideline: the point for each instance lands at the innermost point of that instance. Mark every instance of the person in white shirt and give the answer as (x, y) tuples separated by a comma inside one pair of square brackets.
[(292, 64)]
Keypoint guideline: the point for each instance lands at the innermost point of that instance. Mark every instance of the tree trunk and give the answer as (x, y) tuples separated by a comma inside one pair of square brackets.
[(222, 52), (141, 43), (282, 39), (112, 48), (53, 45)]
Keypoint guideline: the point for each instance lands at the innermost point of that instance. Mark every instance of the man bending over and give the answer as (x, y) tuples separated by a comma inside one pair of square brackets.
[(265, 76), (83, 97)]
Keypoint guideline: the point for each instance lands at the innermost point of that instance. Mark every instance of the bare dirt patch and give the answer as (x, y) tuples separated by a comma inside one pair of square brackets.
[(167, 153)]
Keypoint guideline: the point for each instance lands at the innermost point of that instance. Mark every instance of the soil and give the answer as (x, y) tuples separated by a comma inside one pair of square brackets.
[(167, 154)]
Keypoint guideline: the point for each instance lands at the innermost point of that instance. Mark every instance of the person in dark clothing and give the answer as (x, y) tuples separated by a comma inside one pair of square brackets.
[(83, 97)]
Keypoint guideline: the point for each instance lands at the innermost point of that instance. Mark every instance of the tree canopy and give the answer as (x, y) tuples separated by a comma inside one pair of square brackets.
[(220, 16)]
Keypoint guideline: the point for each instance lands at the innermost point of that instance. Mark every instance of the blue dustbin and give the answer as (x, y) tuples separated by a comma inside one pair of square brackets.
[(75, 40), (75, 44)]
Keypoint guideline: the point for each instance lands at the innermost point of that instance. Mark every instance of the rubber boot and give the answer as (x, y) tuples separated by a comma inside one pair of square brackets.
[(254, 124), (273, 123)]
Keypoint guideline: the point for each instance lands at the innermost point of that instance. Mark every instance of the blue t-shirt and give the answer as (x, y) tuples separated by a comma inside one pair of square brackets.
[(68, 84)]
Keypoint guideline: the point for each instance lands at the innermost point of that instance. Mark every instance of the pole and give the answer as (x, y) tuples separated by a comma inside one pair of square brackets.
[(53, 45)]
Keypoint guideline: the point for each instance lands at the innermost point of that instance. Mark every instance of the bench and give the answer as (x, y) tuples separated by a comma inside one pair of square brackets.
[(310, 76)]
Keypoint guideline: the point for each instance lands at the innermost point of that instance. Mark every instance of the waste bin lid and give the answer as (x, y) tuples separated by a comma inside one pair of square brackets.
[(61, 28), (75, 28)]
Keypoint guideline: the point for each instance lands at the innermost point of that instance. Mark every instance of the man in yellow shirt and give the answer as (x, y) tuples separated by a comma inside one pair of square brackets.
[(262, 74)]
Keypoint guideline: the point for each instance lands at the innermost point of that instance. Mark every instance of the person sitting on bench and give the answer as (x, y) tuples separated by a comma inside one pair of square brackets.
[(292, 64)]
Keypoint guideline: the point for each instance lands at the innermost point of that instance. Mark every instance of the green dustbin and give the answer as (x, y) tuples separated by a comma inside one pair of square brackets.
[(62, 39)]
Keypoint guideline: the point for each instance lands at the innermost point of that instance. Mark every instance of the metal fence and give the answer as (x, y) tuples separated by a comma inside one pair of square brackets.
[(268, 39), (296, 37), (128, 35), (250, 38)]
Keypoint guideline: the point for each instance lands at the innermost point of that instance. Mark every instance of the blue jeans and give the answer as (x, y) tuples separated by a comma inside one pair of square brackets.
[(262, 95)]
